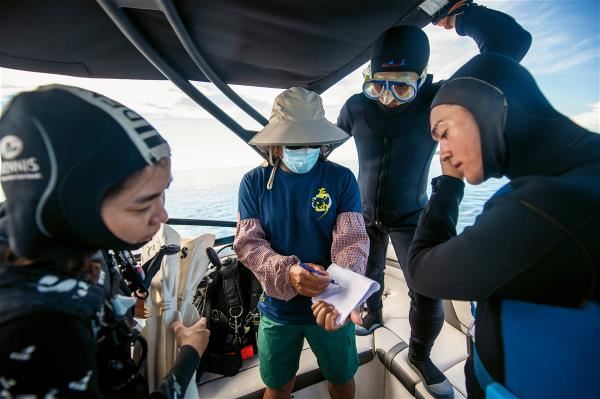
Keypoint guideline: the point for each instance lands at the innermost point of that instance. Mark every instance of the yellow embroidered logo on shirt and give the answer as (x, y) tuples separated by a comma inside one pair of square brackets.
[(321, 202)]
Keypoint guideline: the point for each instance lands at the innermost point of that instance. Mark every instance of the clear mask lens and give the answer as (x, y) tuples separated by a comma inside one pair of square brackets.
[(388, 90), (403, 91), (374, 88)]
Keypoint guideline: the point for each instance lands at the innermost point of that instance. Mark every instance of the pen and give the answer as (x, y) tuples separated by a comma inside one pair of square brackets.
[(310, 269)]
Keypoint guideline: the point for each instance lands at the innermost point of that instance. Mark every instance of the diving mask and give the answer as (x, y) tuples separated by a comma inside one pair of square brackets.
[(403, 88)]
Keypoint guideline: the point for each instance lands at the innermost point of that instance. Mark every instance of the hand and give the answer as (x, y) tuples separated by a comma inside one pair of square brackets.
[(447, 22), (307, 283), (326, 316), (139, 309), (195, 336), (449, 170)]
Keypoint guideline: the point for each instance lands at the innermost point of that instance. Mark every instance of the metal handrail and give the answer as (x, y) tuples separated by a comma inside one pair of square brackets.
[(209, 223), (201, 222)]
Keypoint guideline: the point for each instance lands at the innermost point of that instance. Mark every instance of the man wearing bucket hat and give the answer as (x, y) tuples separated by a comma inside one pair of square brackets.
[(389, 123), (300, 208)]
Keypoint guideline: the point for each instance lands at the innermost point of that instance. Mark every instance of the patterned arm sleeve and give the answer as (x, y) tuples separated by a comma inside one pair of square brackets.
[(350, 247), (269, 267)]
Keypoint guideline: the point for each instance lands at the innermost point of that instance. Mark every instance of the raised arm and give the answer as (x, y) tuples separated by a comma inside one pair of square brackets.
[(494, 31)]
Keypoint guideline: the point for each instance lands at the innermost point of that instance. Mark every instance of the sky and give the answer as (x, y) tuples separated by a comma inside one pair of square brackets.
[(564, 59)]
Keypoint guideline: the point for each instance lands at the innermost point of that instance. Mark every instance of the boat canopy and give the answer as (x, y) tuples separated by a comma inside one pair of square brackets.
[(267, 43)]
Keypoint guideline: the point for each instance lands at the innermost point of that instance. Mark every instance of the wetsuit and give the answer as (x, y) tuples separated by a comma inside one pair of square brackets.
[(394, 152), (537, 242), (51, 346), (63, 149)]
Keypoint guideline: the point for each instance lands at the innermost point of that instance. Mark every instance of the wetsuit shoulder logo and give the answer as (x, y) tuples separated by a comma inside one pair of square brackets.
[(10, 147), (321, 202), (13, 167), (394, 64)]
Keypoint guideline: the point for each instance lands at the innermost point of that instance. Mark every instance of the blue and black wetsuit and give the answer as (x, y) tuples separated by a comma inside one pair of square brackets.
[(395, 149), (77, 146), (51, 343), (532, 258)]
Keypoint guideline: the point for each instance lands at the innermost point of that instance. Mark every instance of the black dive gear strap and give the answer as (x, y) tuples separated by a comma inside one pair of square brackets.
[(152, 266), (132, 282), (119, 374), (227, 296)]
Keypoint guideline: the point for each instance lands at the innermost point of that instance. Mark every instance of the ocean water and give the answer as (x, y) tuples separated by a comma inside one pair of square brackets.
[(212, 194)]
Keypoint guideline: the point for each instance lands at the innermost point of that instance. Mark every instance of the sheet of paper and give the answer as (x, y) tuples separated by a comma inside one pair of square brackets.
[(354, 289)]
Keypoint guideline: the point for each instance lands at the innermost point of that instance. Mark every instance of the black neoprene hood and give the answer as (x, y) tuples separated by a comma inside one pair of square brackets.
[(62, 149), (488, 106), (401, 49), (521, 133)]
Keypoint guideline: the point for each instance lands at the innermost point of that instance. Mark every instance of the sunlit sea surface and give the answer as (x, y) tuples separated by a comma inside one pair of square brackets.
[(212, 194)]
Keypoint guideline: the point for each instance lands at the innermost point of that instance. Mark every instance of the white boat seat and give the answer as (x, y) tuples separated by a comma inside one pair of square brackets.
[(449, 351), (458, 314), (391, 341), (248, 384)]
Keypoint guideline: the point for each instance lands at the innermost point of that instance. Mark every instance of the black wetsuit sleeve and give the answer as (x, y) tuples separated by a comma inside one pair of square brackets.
[(175, 383), (49, 355), (509, 253), (494, 31), (344, 120)]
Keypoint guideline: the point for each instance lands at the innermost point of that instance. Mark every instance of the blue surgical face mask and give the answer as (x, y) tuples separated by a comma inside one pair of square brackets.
[(302, 160)]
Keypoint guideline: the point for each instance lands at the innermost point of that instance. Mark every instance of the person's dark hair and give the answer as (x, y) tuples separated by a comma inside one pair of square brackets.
[(77, 265)]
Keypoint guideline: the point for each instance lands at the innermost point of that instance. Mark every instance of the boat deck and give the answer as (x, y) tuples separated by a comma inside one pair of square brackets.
[(384, 371)]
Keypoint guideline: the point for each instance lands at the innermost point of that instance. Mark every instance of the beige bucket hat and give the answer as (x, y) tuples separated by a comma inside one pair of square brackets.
[(298, 118)]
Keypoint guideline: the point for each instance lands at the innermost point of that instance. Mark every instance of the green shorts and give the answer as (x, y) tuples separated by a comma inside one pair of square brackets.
[(279, 347)]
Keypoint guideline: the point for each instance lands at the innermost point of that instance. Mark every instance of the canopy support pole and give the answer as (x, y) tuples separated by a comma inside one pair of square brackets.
[(168, 8), (122, 21)]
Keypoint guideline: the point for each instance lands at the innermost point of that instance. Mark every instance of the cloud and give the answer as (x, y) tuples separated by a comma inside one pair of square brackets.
[(560, 43), (556, 47), (590, 119)]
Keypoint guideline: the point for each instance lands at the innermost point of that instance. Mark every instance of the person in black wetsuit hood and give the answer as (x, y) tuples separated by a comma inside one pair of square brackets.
[(389, 122), (81, 173), (532, 258)]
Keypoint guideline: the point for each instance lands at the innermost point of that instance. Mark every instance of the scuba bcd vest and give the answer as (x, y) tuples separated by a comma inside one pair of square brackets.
[(228, 296)]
